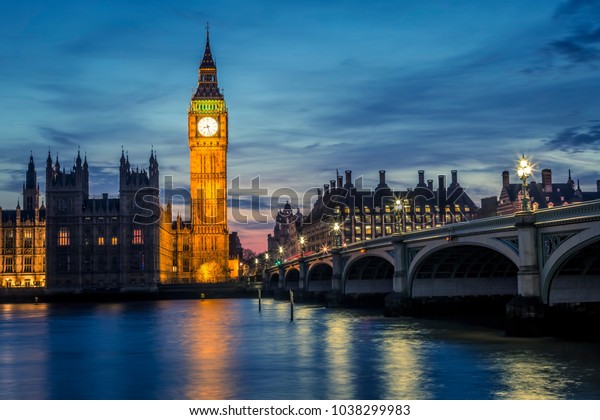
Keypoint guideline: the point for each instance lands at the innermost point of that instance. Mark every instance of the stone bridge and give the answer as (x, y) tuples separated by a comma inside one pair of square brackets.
[(538, 259)]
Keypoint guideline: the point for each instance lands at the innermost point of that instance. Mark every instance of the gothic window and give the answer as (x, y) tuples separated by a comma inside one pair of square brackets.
[(64, 237), (114, 240), (138, 236), (27, 265), (9, 239), (64, 263), (100, 240), (27, 241), (9, 265)]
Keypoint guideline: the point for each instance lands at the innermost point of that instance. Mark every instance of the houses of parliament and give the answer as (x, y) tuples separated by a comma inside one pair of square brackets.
[(74, 242)]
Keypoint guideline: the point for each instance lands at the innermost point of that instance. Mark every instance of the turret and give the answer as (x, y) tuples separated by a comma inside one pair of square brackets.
[(153, 169), (31, 190)]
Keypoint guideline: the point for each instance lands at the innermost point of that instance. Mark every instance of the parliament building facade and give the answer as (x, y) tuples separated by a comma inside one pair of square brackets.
[(76, 243)]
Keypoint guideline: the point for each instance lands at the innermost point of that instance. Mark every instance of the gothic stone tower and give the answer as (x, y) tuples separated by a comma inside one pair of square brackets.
[(207, 137)]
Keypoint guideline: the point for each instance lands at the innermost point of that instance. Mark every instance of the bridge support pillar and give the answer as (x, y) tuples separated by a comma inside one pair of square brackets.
[(281, 280), (334, 296), (399, 302), (336, 279), (302, 278), (525, 314)]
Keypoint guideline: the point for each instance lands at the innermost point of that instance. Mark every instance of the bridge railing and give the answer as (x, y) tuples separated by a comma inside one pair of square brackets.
[(569, 212)]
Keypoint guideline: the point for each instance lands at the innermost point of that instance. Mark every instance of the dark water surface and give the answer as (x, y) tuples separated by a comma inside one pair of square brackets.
[(226, 349)]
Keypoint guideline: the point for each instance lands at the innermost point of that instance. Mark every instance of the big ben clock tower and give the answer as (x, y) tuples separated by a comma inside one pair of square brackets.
[(207, 138)]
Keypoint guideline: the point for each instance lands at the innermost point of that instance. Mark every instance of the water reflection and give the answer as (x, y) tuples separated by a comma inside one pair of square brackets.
[(226, 349), (209, 341)]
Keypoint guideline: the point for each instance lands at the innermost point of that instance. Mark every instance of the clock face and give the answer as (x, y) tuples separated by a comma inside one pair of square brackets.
[(207, 126)]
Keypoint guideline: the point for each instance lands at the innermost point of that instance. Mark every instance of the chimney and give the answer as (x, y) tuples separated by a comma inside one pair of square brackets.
[(547, 180), (441, 183), (430, 184), (319, 194), (381, 177), (325, 189), (332, 184), (421, 177), (505, 179), (454, 173), (339, 181), (348, 179)]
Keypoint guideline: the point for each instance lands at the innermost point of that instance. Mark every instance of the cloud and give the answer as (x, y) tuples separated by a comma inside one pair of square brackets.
[(578, 19), (576, 139), (576, 7)]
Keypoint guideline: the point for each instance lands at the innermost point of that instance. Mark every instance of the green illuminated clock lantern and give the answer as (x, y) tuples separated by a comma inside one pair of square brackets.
[(208, 126)]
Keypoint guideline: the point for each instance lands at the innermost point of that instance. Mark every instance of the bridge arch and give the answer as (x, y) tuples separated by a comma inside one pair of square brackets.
[(319, 277), (273, 281), (464, 269), (369, 274), (573, 276), (292, 279)]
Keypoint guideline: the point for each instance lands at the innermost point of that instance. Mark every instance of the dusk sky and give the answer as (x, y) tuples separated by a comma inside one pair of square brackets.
[(311, 87)]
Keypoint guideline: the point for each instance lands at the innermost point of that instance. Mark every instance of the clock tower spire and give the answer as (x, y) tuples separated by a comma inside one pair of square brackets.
[(208, 141)]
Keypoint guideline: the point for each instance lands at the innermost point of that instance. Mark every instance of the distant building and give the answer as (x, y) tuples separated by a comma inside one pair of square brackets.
[(23, 238), (284, 243), (542, 195), (365, 214)]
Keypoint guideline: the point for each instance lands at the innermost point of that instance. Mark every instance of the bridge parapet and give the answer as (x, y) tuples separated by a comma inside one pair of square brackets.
[(588, 210)]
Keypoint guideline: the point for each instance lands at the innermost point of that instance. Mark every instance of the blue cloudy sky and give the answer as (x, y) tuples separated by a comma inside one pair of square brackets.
[(311, 86)]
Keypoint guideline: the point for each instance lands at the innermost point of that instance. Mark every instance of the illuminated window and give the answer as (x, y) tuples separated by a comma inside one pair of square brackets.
[(138, 236), (100, 240), (9, 265), (27, 264), (64, 237), (114, 240), (9, 239)]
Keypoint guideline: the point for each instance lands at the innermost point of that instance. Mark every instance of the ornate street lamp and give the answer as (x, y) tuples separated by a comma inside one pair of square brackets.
[(397, 214), (524, 169), (302, 243), (337, 230)]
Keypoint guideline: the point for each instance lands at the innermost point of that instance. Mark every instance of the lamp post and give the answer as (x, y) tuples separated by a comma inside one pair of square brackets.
[(397, 213), (302, 242), (524, 171), (336, 234)]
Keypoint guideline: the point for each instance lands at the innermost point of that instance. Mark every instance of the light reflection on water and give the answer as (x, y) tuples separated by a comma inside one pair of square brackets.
[(226, 349)]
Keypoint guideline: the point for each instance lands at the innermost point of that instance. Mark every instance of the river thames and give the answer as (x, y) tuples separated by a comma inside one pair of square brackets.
[(226, 349)]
